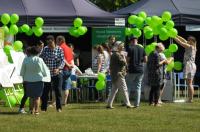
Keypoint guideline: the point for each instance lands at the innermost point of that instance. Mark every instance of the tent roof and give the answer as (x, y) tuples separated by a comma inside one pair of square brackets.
[(183, 11), (14, 6), (58, 12)]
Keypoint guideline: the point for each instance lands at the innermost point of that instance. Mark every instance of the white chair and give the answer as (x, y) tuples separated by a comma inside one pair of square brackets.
[(180, 85)]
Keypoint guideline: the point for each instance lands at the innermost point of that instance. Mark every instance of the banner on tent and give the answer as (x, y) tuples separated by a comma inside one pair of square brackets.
[(100, 35), (192, 27), (119, 21), (55, 29), (1, 38)]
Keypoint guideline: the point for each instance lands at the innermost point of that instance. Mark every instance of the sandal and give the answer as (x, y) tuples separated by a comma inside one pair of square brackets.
[(36, 113)]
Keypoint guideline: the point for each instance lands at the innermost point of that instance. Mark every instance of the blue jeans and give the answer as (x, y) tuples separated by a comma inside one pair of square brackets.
[(134, 81)]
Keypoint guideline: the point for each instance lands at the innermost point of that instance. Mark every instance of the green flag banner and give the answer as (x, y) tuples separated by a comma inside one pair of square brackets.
[(100, 35)]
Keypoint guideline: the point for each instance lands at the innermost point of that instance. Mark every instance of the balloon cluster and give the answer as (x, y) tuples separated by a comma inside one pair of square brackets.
[(101, 84), (14, 29), (155, 25), (168, 53), (17, 46), (78, 29)]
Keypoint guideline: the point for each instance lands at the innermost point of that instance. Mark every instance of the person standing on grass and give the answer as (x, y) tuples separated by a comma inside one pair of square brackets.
[(69, 64), (53, 56), (118, 71), (136, 59), (33, 71), (155, 74), (189, 69), (40, 46)]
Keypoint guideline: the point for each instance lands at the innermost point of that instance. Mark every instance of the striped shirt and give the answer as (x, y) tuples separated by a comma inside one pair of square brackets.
[(95, 63)]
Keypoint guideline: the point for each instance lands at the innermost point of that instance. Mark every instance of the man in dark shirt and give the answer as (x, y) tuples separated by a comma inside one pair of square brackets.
[(136, 59)]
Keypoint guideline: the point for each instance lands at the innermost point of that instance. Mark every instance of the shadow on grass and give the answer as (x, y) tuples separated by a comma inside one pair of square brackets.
[(89, 107), (9, 113)]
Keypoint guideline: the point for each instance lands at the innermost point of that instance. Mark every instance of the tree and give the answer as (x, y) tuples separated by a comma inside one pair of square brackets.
[(112, 5)]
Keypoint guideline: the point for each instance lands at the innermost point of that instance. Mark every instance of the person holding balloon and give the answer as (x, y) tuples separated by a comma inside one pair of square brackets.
[(189, 69), (118, 71), (155, 73)]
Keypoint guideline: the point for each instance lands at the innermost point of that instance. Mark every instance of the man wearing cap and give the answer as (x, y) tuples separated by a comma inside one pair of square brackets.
[(118, 72), (136, 59)]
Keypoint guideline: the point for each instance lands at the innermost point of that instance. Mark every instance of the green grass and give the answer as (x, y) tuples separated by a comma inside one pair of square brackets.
[(94, 117)]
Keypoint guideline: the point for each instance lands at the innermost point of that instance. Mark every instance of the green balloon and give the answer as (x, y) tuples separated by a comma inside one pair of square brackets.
[(167, 53), (27, 103), (78, 22), (142, 14), (128, 31), (17, 45), (178, 65), (25, 28), (5, 18), (10, 58), (12, 100), (85, 28), (147, 28), (39, 21), (169, 24), (170, 66), (148, 21), (173, 33), (148, 34), (156, 21), (2, 94), (14, 18), (29, 33), (163, 31), (136, 32), (38, 31), (100, 85), (163, 37), (5, 29), (155, 30), (148, 49), (7, 49), (139, 22), (74, 32), (166, 16), (81, 30), (101, 76), (132, 19), (173, 48), (13, 29)]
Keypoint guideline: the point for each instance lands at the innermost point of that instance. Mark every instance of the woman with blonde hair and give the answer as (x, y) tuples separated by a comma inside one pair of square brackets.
[(189, 69)]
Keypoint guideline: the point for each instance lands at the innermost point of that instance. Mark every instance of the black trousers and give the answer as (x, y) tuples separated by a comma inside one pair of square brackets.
[(57, 87), (24, 98), (154, 94)]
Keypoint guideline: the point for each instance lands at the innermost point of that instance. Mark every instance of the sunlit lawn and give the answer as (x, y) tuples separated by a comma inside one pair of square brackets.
[(95, 117)]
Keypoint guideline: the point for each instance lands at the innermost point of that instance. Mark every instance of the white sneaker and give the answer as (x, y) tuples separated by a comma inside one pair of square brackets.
[(22, 111)]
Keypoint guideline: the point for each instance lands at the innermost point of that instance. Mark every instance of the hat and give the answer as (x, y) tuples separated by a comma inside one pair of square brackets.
[(116, 45), (132, 37)]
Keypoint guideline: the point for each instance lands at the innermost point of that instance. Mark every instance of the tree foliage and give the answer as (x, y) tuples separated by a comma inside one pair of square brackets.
[(112, 5)]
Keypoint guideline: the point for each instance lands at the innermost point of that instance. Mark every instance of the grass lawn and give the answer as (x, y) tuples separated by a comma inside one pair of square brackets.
[(94, 117)]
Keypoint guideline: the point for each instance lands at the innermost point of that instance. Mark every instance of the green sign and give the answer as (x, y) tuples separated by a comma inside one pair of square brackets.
[(100, 35)]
